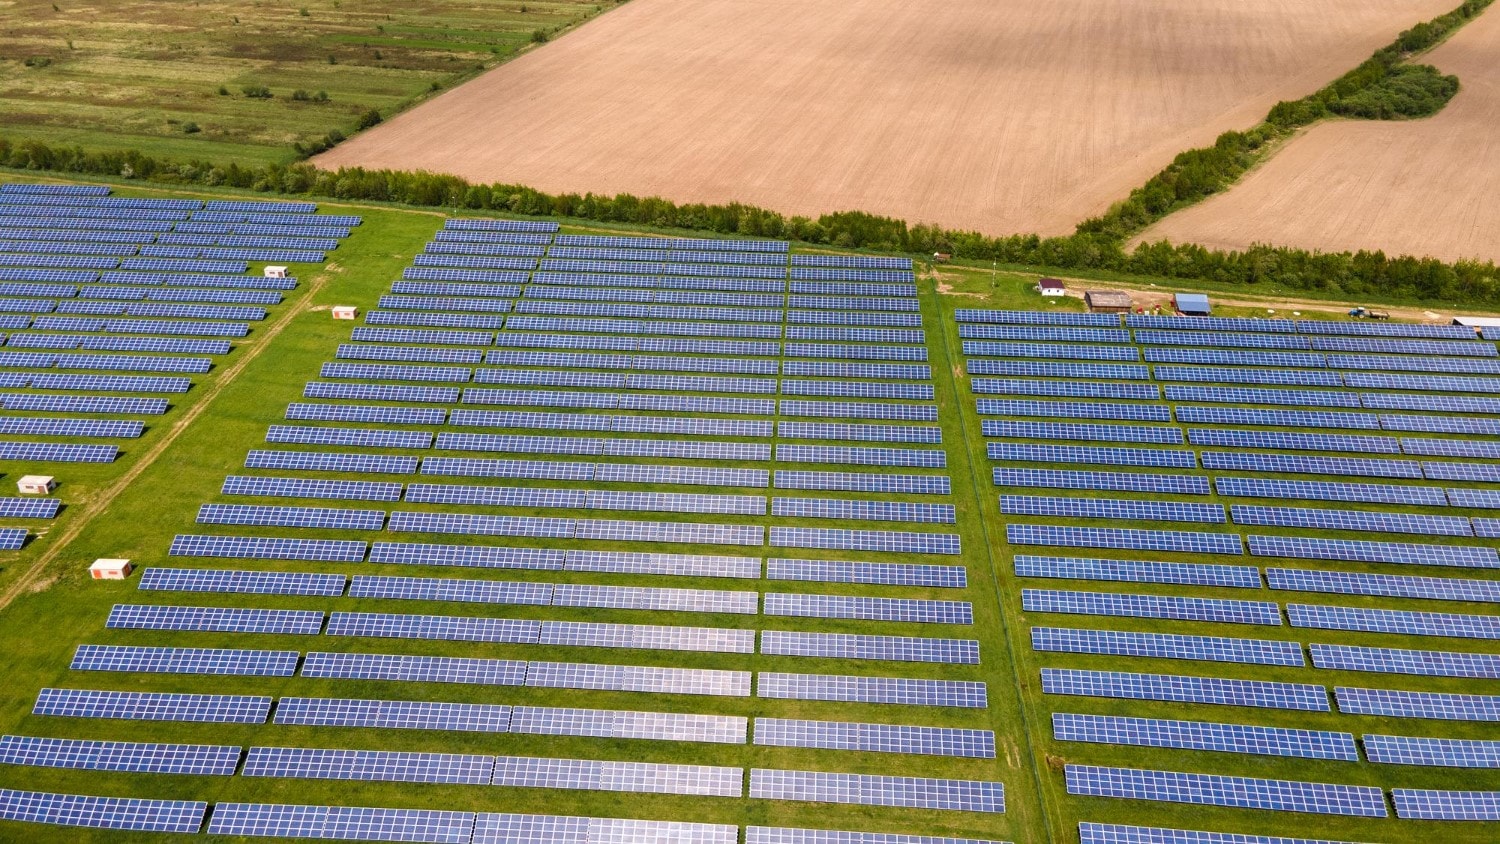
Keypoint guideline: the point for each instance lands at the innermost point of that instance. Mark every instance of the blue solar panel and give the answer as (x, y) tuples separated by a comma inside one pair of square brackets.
[(1185, 689), (268, 548), (102, 812), (1192, 323), (1065, 334), (1044, 369), (893, 574), (153, 706), (438, 627), (865, 540), (217, 619), (855, 646), (368, 765), (1398, 661), (1110, 508), (1076, 389), (1232, 375), (253, 582), (1386, 585), (1374, 552), (1036, 318), (1096, 455), (1074, 410), (1052, 351), (1133, 571), (1200, 735), (1330, 491), (341, 822), (859, 410), (1277, 418), (1404, 704), (1235, 357), (1118, 481), (1216, 790), (1311, 465), (1292, 441), (1406, 622), (218, 661), (875, 738), (1097, 833), (1440, 752), (1167, 646), (1152, 606), (134, 757), (1359, 520), (869, 790), (1079, 431), (1429, 804), (1140, 540), (859, 689), (1217, 338)]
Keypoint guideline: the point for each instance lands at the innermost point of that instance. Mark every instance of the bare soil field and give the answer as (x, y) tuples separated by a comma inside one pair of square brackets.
[(996, 115), (1426, 187)]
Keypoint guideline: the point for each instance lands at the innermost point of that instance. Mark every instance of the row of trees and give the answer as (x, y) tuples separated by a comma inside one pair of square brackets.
[(1360, 274)]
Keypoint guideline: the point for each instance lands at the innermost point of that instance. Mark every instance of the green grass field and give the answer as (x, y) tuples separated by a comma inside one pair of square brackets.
[(140, 76), (63, 609)]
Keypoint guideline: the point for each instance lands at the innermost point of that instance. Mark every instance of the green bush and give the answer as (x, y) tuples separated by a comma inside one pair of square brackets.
[(257, 92), (368, 119), (191, 128)]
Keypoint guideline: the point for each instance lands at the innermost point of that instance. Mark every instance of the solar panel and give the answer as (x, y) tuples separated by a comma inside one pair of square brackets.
[(861, 689), (531, 829), (900, 542), (1292, 441), (862, 455), (322, 461), (1167, 646), (638, 678), (392, 714), (1438, 752), (217, 619), (1126, 538), (1406, 622), (1233, 375), (1330, 491), (102, 812), (1115, 481), (1185, 689), (1387, 585), (1097, 833), (860, 510), (859, 410), (875, 738), (868, 790), (983, 331), (636, 777), (437, 627), (1309, 465), (1110, 508), (368, 765), (1277, 418), (857, 646), (869, 609), (254, 582), (341, 822), (1218, 338), (626, 724), (1074, 410), (446, 589), (153, 706), (416, 669), (1431, 804), (308, 517), (1036, 318), (1374, 552), (268, 548), (1077, 389), (1202, 735), (1044, 369), (1235, 357), (1217, 790), (1134, 571), (1402, 704), (1053, 351), (1399, 661), (645, 636), (134, 757), (1360, 520), (308, 488), (865, 482), (893, 574), (792, 835), (152, 660), (1152, 606), (1079, 431)]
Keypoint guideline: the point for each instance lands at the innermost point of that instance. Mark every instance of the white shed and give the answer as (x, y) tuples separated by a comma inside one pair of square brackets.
[(345, 312), (109, 569), (36, 484), (276, 272)]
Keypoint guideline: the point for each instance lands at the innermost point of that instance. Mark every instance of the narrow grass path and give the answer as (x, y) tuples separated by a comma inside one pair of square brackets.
[(61, 540)]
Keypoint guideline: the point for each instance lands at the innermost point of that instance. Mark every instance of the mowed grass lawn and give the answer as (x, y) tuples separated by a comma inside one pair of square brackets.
[(43, 627), (133, 75)]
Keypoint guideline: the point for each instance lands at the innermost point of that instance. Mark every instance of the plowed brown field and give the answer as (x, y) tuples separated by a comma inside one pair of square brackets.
[(997, 115), (1427, 187)]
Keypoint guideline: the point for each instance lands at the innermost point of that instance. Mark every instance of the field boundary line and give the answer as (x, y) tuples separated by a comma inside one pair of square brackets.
[(989, 551), (111, 492)]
